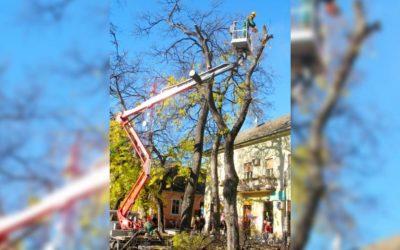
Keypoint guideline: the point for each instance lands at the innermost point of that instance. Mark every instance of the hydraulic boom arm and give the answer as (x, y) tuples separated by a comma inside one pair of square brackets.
[(123, 119)]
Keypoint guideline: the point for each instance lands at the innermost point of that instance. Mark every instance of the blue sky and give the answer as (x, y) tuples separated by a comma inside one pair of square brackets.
[(36, 53), (29, 49), (375, 97), (275, 14)]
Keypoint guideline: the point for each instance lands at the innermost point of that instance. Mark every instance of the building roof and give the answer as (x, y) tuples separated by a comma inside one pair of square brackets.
[(265, 129), (179, 185), (392, 243)]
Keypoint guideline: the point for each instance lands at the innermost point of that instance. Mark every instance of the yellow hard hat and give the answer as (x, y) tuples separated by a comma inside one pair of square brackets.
[(253, 13)]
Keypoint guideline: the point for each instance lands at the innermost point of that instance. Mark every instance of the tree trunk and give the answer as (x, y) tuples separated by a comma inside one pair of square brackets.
[(160, 215), (118, 203), (230, 191), (188, 199), (215, 209), (303, 228), (160, 204)]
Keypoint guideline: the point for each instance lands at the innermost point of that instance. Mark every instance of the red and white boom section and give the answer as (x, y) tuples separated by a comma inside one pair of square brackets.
[(95, 181), (140, 149)]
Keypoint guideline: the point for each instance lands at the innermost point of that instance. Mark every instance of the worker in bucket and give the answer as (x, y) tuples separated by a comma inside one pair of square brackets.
[(249, 22), (332, 8)]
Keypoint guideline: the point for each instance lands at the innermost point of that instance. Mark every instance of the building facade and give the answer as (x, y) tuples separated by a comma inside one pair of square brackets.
[(172, 198), (262, 160), (173, 207)]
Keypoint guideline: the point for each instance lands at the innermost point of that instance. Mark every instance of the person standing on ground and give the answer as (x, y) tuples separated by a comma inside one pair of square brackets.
[(267, 231), (202, 222), (223, 227), (148, 226), (193, 225), (155, 220)]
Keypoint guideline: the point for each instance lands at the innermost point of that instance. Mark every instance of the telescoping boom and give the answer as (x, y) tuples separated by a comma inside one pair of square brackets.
[(140, 149)]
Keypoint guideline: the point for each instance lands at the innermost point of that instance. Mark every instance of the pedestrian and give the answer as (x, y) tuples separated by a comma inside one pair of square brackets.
[(193, 225), (223, 226), (155, 220), (197, 224), (202, 222), (136, 223), (148, 226), (267, 230)]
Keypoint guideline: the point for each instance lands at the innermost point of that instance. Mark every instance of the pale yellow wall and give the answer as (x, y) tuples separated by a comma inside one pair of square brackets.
[(277, 148)]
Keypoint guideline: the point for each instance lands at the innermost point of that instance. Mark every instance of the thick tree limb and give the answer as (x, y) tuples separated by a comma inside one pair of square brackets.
[(315, 144), (243, 112)]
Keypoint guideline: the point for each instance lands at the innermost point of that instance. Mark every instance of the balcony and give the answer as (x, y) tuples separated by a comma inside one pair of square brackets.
[(257, 184)]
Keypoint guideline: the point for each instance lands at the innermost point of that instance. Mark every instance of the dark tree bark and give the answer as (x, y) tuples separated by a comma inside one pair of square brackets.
[(119, 202), (122, 73), (160, 214), (203, 39), (215, 209), (230, 192), (198, 40), (231, 178), (190, 191), (315, 146), (159, 201)]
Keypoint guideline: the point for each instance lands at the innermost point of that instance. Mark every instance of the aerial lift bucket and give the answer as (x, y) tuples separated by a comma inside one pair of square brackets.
[(240, 39)]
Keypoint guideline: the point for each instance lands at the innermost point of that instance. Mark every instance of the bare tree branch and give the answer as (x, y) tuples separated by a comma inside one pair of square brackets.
[(317, 186)]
